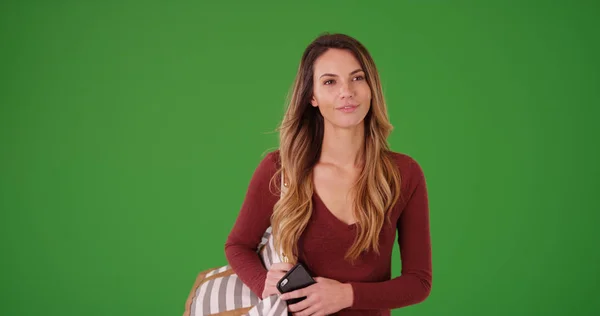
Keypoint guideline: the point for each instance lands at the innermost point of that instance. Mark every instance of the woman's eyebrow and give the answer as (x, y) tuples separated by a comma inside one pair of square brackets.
[(334, 75)]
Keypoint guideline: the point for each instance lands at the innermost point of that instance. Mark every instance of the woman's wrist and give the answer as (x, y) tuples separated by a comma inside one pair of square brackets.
[(348, 294)]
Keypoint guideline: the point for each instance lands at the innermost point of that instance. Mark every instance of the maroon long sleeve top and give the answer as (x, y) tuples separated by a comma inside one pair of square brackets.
[(326, 239)]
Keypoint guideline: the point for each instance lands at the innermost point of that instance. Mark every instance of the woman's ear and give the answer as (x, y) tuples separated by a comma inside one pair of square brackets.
[(314, 102)]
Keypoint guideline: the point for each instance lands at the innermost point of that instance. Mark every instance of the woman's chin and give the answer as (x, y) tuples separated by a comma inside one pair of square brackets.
[(348, 124)]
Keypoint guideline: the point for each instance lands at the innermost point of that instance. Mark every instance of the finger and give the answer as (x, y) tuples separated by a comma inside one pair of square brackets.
[(281, 266), (300, 306), (295, 294), (312, 310), (270, 286), (266, 294), (274, 281), (276, 276), (271, 289)]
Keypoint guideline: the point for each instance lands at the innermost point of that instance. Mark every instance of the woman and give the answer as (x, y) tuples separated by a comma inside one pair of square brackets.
[(347, 194)]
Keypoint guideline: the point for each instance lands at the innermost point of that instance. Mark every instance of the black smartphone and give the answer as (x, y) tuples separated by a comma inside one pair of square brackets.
[(296, 278)]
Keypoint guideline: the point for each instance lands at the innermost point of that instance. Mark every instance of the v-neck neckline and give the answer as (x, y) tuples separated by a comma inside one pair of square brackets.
[(331, 216)]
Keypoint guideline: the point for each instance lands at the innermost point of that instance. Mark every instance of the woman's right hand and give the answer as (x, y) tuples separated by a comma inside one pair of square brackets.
[(275, 273)]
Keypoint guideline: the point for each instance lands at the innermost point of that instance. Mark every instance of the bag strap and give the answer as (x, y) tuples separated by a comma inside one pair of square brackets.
[(283, 186)]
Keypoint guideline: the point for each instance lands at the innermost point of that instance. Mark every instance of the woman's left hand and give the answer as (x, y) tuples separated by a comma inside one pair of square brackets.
[(325, 297)]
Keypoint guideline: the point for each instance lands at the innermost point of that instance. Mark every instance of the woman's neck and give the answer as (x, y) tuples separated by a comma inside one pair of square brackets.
[(342, 146)]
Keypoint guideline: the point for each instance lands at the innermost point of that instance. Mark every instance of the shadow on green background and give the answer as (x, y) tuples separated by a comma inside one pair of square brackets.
[(129, 132)]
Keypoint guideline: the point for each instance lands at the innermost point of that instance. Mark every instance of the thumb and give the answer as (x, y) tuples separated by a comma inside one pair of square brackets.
[(319, 279)]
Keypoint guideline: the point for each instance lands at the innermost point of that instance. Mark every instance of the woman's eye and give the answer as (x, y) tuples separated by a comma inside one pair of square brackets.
[(328, 82), (359, 78)]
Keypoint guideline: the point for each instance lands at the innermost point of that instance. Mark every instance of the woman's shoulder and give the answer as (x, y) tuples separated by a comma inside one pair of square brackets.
[(271, 156), (269, 162), (403, 160), (409, 167)]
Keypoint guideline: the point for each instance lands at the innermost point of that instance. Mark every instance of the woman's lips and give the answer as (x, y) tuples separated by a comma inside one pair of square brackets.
[(348, 108)]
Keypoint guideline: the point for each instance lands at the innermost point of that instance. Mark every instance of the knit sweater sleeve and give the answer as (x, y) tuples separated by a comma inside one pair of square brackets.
[(414, 284), (250, 225)]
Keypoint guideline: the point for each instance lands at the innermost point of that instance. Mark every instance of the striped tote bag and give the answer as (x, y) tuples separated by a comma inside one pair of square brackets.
[(219, 291)]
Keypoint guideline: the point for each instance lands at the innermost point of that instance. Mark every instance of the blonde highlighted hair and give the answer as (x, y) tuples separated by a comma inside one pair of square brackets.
[(377, 188)]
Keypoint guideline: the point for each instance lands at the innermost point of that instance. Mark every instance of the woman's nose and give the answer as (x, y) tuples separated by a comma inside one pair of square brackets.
[(346, 91)]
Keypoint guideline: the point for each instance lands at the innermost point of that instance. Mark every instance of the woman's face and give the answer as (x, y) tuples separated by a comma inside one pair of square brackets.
[(340, 91)]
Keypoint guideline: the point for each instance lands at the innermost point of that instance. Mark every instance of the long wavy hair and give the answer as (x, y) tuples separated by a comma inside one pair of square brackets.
[(377, 188)]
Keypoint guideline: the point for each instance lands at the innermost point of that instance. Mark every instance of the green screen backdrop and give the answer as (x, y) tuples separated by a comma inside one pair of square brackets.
[(129, 131)]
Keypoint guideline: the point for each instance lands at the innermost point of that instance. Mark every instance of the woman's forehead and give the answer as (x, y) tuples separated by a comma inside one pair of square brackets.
[(336, 61)]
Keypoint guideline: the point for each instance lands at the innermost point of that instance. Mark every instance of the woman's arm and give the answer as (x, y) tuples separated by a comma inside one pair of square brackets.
[(251, 223), (414, 284)]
